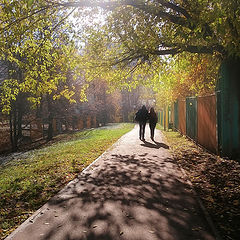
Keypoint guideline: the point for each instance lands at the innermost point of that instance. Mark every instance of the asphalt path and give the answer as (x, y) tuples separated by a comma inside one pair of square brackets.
[(134, 191)]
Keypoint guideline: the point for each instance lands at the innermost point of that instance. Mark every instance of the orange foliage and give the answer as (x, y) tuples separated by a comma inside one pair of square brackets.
[(199, 79)]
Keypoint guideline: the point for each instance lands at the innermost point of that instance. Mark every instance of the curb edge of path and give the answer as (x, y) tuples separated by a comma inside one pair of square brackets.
[(45, 207), (205, 212), (104, 153)]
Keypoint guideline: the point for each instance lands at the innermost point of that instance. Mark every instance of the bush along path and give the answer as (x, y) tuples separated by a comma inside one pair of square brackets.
[(29, 180), (216, 181)]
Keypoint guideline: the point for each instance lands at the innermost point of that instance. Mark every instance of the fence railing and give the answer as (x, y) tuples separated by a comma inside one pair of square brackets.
[(37, 128)]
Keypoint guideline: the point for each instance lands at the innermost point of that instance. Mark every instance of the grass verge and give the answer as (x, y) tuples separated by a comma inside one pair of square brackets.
[(27, 182), (216, 181)]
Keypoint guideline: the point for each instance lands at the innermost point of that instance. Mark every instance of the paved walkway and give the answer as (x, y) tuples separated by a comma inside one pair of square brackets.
[(134, 191)]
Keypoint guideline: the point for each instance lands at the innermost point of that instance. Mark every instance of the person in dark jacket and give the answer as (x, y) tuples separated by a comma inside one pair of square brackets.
[(153, 119), (142, 117)]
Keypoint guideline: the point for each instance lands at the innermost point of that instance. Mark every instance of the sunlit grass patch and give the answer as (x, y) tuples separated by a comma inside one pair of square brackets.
[(28, 182)]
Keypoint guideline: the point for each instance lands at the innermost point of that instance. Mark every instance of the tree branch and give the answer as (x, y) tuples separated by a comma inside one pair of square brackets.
[(112, 5), (184, 22), (190, 49), (175, 8), (174, 19), (18, 20), (171, 51), (204, 49), (87, 3)]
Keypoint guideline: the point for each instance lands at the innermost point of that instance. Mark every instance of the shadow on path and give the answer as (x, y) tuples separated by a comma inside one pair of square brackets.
[(156, 145), (130, 197), (136, 196)]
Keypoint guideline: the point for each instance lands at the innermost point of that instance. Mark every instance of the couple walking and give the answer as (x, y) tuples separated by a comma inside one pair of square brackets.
[(142, 116)]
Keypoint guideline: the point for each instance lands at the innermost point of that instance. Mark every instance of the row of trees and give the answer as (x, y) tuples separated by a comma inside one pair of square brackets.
[(174, 47), (134, 33), (40, 57), (42, 75)]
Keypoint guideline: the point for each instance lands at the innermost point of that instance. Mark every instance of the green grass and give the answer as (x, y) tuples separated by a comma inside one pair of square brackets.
[(27, 183), (159, 127)]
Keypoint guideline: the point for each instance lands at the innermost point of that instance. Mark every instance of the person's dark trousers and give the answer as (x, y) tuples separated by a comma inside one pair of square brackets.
[(142, 130), (152, 128)]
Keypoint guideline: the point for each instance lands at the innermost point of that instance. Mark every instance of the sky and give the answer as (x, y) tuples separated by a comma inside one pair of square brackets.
[(85, 18)]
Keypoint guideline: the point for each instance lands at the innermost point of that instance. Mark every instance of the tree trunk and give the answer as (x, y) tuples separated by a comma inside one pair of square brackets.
[(15, 137), (50, 120), (104, 109), (50, 127), (13, 128), (19, 122)]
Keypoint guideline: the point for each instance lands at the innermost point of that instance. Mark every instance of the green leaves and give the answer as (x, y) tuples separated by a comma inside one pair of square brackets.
[(8, 94), (40, 55), (30, 2), (123, 49)]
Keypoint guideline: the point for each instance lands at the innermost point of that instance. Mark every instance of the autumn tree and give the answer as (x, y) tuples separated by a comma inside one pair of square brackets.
[(137, 37), (137, 31), (39, 55), (141, 29), (185, 75)]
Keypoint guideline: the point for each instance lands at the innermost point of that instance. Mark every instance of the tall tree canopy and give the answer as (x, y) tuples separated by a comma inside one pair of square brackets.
[(38, 51), (134, 33), (126, 46), (167, 27), (155, 27)]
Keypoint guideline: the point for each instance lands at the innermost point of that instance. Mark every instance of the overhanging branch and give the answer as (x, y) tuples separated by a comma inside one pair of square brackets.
[(174, 7), (171, 51), (190, 49)]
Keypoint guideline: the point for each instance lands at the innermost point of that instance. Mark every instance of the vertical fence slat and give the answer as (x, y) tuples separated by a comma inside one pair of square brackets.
[(191, 117), (166, 117), (229, 108), (175, 121), (207, 122), (182, 116)]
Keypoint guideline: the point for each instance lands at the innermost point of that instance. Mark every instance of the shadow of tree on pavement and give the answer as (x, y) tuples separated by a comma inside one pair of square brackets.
[(128, 197)]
